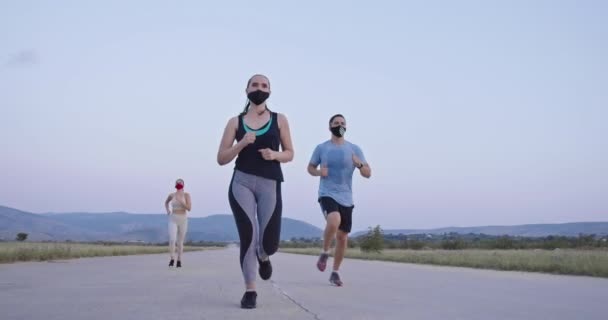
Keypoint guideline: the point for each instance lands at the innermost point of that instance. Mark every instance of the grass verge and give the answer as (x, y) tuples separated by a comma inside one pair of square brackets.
[(572, 261), (36, 251)]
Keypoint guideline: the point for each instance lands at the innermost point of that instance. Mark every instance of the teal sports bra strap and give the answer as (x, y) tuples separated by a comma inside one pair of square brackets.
[(260, 131)]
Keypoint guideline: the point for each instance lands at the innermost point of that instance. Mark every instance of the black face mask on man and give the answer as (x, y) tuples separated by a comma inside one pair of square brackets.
[(258, 97), (338, 131)]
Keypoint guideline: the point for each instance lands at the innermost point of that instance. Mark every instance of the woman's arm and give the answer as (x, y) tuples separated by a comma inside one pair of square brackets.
[(188, 202), (228, 149), (286, 153), (167, 203)]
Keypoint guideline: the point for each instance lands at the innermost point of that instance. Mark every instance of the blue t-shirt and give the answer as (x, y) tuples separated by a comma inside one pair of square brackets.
[(338, 158)]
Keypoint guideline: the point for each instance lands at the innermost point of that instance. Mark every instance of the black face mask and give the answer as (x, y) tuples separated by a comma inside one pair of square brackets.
[(338, 131), (258, 97)]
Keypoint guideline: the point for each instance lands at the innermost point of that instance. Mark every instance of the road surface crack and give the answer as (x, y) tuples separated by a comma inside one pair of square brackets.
[(281, 291)]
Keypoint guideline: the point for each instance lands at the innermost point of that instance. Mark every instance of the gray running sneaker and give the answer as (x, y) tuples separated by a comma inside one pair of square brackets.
[(249, 300), (335, 279), (264, 269), (322, 262)]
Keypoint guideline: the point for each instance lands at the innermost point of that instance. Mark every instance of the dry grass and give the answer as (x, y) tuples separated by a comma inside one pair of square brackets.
[(576, 262), (33, 251)]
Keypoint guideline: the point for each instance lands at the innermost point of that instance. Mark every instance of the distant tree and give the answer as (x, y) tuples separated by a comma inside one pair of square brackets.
[(352, 243), (584, 240), (373, 240), (504, 242), (411, 244), (21, 236), (453, 244)]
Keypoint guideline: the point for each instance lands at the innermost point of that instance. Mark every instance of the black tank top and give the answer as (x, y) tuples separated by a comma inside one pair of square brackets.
[(250, 159)]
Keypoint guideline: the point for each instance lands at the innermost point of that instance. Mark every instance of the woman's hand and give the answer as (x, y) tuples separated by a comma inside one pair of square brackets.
[(248, 139), (268, 154)]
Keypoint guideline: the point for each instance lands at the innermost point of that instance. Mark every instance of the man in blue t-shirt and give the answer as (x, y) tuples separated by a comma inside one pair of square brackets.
[(335, 161)]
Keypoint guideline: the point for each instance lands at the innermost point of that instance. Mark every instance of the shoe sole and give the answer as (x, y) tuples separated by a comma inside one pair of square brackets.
[(260, 271), (321, 266)]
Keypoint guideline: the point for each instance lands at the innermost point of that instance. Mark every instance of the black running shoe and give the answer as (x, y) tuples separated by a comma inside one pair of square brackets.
[(265, 269), (249, 300), (335, 279), (179, 264), (171, 263), (322, 262)]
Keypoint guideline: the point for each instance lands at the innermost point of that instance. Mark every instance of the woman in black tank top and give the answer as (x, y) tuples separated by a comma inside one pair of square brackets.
[(263, 142), (250, 159)]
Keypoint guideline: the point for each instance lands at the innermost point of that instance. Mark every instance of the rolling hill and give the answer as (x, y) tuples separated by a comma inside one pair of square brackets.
[(122, 226)]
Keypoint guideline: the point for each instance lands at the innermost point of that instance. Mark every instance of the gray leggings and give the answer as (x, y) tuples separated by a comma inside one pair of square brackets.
[(256, 205)]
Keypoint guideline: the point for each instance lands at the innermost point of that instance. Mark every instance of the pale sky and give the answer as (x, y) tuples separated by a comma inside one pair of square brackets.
[(469, 112)]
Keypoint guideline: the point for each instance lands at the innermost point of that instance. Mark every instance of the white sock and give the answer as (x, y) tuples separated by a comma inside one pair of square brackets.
[(250, 290), (262, 256)]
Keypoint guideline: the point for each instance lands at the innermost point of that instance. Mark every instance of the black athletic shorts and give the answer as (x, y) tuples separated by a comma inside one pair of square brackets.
[(329, 205)]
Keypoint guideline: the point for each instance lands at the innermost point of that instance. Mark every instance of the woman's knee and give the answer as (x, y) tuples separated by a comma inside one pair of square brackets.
[(270, 241), (271, 249)]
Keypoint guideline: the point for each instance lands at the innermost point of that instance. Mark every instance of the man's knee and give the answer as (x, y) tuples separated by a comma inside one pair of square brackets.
[(333, 219), (342, 236)]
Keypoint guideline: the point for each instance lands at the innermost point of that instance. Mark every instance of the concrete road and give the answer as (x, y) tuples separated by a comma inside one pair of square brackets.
[(209, 286)]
